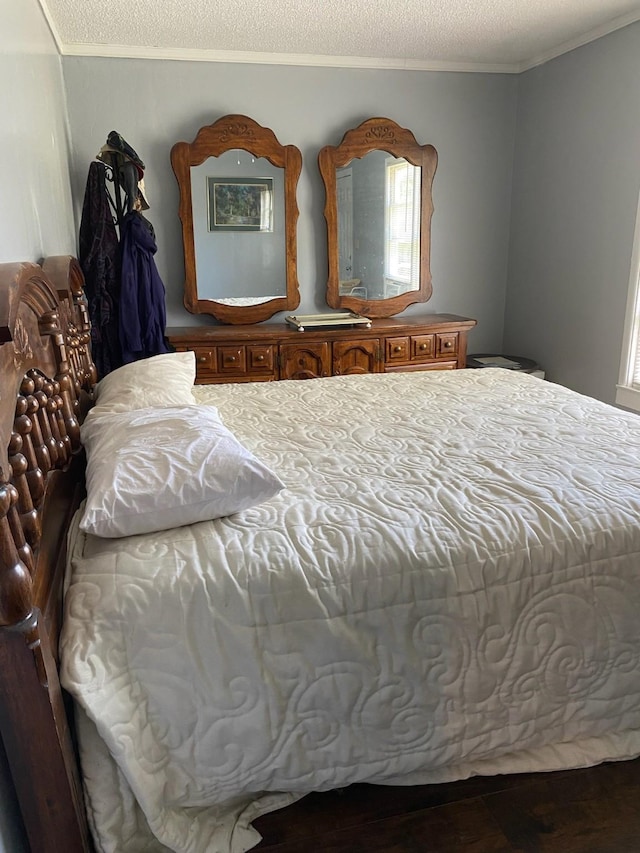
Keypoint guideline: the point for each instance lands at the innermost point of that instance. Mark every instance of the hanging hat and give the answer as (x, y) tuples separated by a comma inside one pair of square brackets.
[(107, 154), (118, 148), (115, 140)]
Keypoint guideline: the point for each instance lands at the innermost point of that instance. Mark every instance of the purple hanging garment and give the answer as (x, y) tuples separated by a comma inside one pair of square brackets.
[(142, 292)]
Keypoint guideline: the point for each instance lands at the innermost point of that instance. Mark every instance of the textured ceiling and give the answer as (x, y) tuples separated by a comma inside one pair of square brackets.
[(479, 35)]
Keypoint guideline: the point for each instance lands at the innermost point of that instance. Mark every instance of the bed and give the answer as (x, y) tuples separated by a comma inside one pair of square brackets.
[(435, 575)]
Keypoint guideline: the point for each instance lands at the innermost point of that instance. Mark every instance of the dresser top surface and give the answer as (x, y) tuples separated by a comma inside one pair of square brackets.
[(389, 325)]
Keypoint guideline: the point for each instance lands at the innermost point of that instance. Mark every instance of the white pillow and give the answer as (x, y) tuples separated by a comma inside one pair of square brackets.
[(159, 468), (162, 380)]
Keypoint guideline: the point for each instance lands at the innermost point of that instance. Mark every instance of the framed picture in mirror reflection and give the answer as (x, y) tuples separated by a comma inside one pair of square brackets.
[(240, 204)]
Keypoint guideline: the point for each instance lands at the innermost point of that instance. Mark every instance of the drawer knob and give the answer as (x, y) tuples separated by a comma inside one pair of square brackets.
[(231, 359), (423, 346), (202, 359), (260, 358), (397, 349), (448, 344)]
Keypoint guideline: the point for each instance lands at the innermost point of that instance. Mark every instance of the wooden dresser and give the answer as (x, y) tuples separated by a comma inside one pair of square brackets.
[(271, 351)]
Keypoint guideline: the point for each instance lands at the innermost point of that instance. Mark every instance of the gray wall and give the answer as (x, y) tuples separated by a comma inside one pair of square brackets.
[(470, 118), (575, 195), (36, 213), (35, 209)]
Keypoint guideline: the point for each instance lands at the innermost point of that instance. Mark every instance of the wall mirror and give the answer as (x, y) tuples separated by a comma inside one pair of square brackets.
[(378, 212), (239, 220)]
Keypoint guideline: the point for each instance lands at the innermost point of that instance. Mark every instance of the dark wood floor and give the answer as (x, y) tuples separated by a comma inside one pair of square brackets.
[(595, 810)]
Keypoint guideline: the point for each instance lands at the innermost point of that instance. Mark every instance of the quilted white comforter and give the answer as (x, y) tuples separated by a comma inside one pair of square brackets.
[(449, 584)]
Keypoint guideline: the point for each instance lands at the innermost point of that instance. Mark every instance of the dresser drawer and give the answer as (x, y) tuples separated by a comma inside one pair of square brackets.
[(205, 360), (416, 366), (261, 359), (232, 359), (423, 347), (397, 350), (447, 344)]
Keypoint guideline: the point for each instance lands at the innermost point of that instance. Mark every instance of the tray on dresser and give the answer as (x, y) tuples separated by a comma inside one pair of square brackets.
[(317, 321)]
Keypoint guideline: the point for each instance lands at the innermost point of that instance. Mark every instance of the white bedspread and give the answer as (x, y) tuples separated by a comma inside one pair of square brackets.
[(449, 584)]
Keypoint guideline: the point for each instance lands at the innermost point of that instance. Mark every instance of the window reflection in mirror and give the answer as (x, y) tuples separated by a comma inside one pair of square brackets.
[(402, 227), (239, 228)]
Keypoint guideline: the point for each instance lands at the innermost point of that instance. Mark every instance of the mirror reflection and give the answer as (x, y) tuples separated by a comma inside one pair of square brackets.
[(238, 228), (378, 212)]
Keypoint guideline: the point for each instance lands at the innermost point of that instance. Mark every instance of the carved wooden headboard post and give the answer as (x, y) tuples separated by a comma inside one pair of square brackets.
[(46, 378)]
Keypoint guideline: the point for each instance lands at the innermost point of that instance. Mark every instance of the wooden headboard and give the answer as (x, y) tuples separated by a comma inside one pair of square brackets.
[(46, 382)]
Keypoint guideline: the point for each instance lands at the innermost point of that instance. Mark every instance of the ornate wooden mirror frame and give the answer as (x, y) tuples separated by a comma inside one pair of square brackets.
[(237, 132), (377, 134)]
